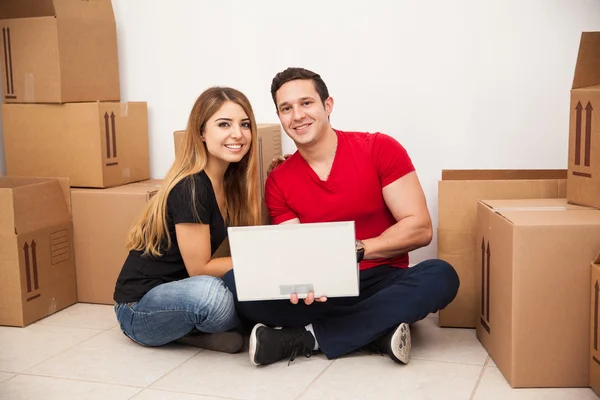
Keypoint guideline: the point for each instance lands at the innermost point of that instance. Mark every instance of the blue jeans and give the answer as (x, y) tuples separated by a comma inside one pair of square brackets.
[(171, 310)]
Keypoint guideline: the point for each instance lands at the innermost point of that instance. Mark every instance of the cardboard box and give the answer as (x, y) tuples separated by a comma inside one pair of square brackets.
[(93, 144), (594, 327), (102, 219), (533, 280), (269, 147), (583, 186), (58, 51), (458, 192), (36, 264)]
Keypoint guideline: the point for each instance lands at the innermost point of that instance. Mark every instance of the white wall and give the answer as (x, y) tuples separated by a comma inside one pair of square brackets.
[(461, 84)]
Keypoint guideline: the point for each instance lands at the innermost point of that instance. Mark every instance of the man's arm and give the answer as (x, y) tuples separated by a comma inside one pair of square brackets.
[(405, 199)]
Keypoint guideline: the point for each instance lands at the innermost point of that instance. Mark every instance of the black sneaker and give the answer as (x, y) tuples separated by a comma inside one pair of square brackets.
[(269, 345), (396, 344), (227, 342)]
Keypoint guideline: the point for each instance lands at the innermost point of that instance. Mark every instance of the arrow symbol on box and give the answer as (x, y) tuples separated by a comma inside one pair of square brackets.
[(107, 131), (34, 262), (579, 108), (489, 255), (588, 133), (482, 276), (114, 133), (596, 316), (27, 266)]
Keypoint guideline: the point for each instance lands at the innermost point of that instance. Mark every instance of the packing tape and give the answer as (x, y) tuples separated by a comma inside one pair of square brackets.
[(126, 173), (124, 109), (52, 306), (29, 94)]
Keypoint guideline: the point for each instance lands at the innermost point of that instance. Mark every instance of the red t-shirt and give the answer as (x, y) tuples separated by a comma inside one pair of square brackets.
[(364, 163)]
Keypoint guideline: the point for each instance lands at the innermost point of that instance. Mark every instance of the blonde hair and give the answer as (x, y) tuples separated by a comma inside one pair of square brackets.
[(150, 233)]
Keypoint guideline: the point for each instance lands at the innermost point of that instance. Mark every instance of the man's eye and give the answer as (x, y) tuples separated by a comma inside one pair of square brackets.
[(306, 103)]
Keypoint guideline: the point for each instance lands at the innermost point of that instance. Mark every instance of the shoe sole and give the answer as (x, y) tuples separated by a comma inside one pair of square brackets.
[(401, 344), (253, 344)]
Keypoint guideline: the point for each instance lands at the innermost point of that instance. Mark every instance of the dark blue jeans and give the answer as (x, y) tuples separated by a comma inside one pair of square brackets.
[(388, 297)]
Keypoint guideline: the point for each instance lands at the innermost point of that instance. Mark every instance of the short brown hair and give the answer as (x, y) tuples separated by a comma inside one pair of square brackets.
[(294, 73)]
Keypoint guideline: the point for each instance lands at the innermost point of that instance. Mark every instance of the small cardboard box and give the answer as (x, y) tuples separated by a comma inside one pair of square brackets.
[(37, 263), (458, 192), (583, 185), (102, 219), (594, 327), (96, 145), (269, 147), (57, 51), (533, 280)]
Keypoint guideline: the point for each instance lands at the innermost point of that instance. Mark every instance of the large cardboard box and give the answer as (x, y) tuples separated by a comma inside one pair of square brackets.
[(269, 147), (36, 263), (594, 327), (97, 145), (583, 185), (57, 51), (458, 192), (102, 219), (533, 280)]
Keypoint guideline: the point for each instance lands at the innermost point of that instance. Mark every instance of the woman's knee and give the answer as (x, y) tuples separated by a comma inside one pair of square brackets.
[(214, 304)]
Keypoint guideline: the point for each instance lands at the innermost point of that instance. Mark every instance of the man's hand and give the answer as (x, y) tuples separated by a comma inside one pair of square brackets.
[(277, 161), (308, 300)]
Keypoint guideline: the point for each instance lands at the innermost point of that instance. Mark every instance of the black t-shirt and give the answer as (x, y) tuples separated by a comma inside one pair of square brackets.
[(142, 273)]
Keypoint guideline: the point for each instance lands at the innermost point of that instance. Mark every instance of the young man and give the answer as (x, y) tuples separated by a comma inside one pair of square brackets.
[(341, 176)]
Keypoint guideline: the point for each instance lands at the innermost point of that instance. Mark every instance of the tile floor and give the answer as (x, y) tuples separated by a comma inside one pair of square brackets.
[(79, 353)]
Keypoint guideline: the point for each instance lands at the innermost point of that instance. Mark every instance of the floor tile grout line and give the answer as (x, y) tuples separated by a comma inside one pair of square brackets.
[(175, 367), (75, 380), (311, 383), (67, 349), (193, 394), (6, 380), (479, 378), (449, 362)]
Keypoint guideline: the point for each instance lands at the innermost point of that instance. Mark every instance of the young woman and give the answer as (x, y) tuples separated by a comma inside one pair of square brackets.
[(170, 287)]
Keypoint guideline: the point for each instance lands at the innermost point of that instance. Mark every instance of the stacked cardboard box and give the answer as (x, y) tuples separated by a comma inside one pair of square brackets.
[(533, 277), (458, 192), (530, 257), (594, 358), (36, 249), (62, 117)]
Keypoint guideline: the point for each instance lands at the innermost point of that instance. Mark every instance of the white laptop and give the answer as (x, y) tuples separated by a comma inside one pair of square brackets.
[(271, 262)]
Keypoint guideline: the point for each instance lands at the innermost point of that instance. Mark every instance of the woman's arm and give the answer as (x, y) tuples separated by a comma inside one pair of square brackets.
[(194, 244)]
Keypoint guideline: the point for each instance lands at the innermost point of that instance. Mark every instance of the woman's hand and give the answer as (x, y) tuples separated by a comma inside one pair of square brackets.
[(276, 162)]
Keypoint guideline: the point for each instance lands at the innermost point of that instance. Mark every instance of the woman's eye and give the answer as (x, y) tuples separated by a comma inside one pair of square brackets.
[(246, 125), (223, 124)]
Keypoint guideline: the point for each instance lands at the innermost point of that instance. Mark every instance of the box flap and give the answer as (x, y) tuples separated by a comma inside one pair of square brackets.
[(26, 9), (38, 206), (597, 260), (88, 9), (502, 174), (532, 205), (549, 218), (587, 69), (543, 212)]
